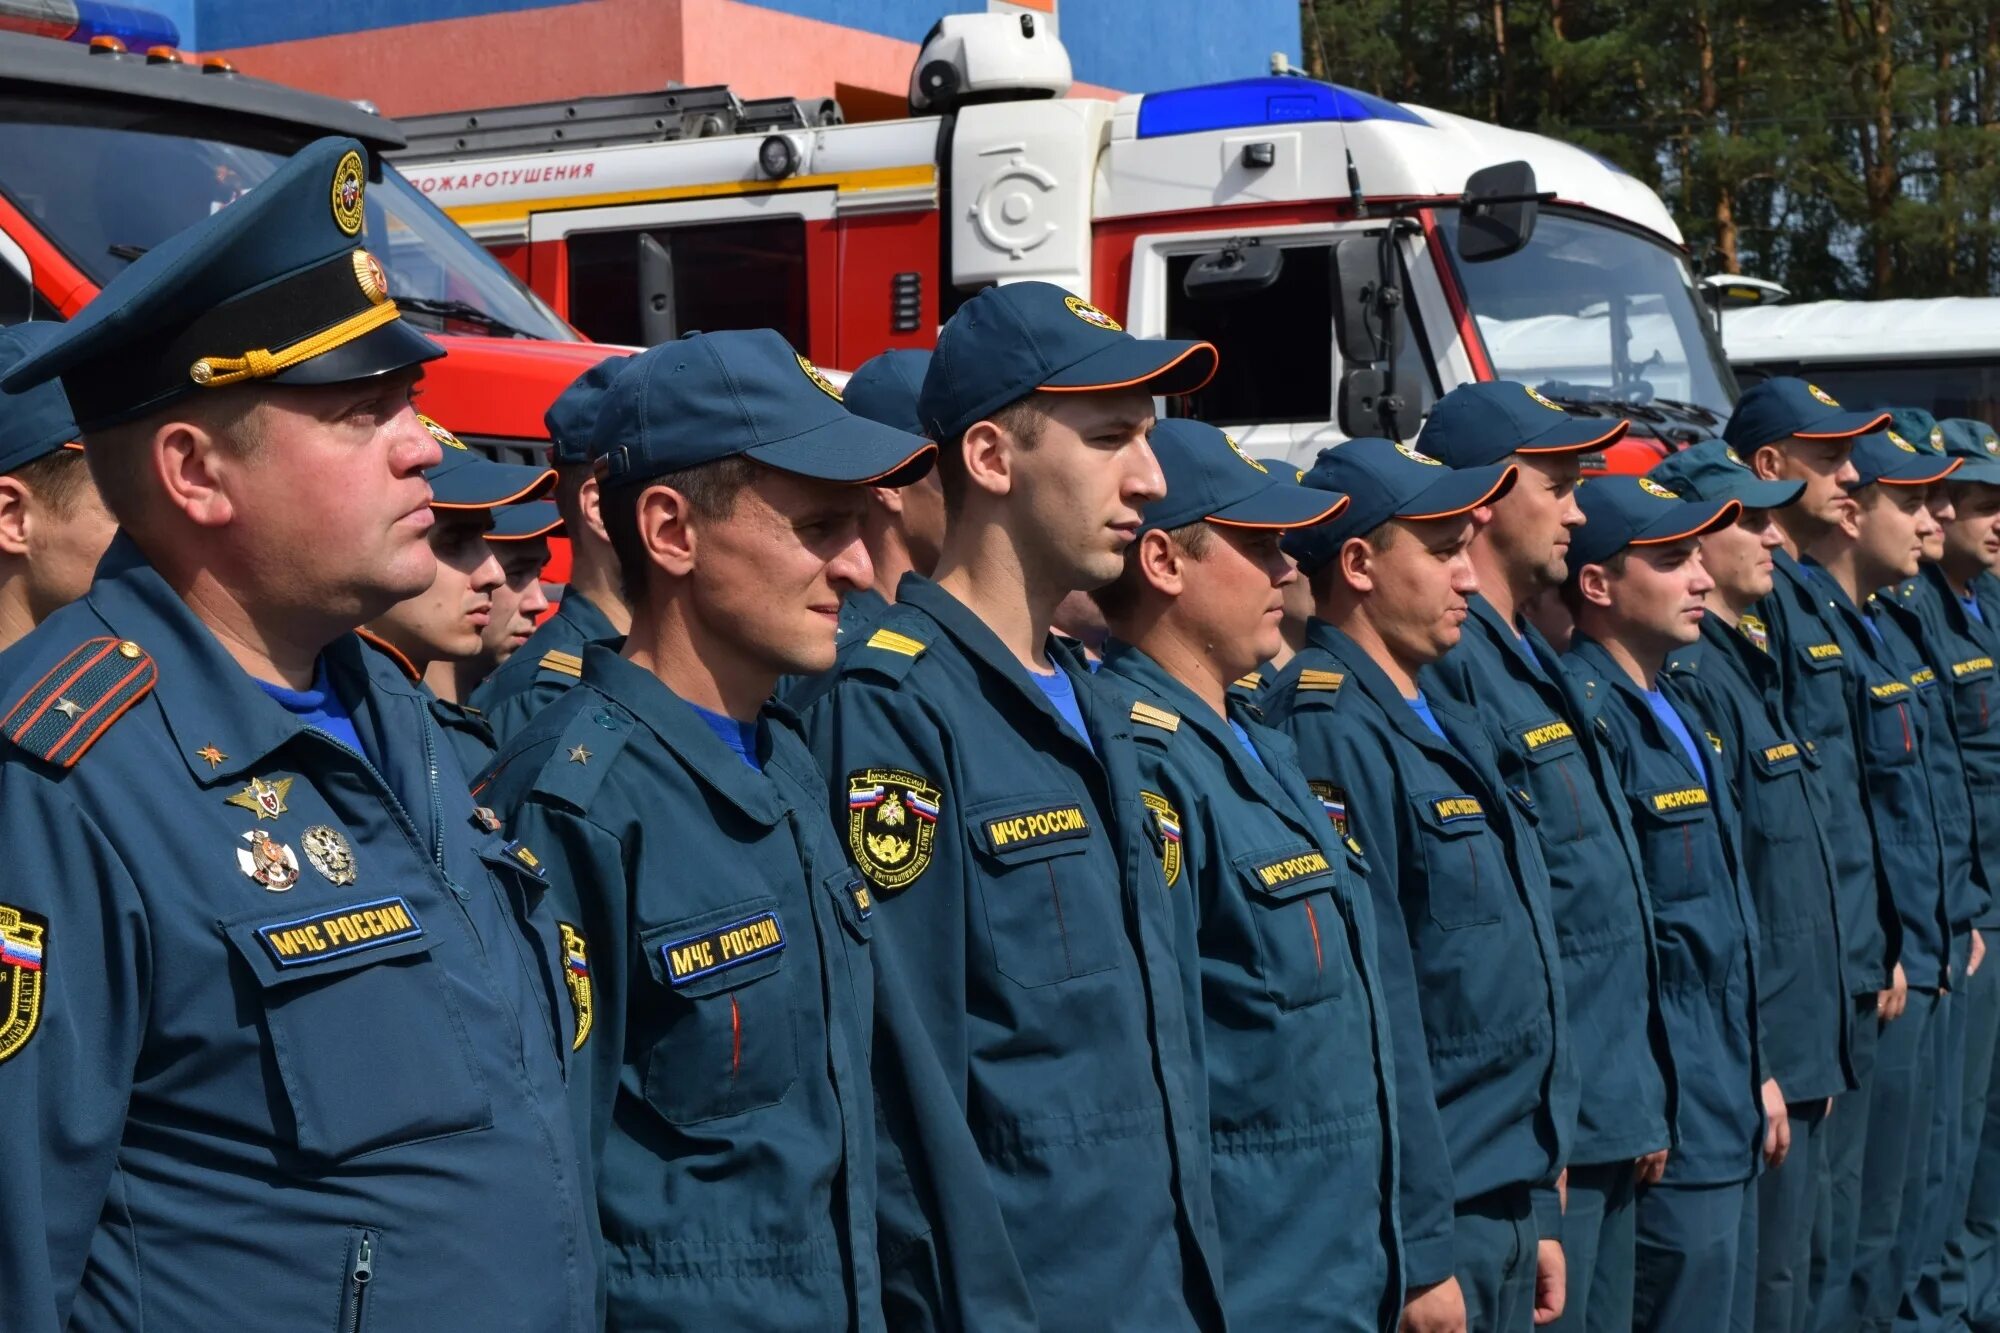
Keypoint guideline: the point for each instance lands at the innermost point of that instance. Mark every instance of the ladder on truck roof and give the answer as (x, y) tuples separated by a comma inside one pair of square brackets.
[(597, 122)]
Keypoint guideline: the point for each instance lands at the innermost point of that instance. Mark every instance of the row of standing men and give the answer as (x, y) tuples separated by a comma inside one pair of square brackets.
[(1410, 970)]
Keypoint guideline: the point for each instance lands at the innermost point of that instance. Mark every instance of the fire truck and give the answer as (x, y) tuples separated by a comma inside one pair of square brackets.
[(1353, 257), (111, 141)]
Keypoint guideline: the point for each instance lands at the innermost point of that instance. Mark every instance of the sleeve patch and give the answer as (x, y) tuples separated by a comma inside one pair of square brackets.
[(1168, 821), (576, 973), (24, 942), (892, 819)]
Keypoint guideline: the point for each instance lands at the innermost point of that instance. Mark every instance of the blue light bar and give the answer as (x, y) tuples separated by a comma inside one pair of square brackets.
[(138, 28), (1267, 101)]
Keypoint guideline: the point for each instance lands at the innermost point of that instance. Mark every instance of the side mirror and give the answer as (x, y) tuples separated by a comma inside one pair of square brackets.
[(1237, 269), (659, 322), (1373, 397), (1358, 300), (1497, 212)]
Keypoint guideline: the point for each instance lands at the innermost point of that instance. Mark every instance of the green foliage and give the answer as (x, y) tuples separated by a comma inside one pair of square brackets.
[(1842, 147)]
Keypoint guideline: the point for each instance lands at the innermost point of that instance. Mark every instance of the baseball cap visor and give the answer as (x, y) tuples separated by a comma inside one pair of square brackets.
[(1166, 366), (1280, 506), (481, 483), (1757, 493), (1843, 425), (1460, 491), (394, 346), (1575, 435), (852, 450), (1984, 470), (1689, 518), (524, 522), (1920, 470)]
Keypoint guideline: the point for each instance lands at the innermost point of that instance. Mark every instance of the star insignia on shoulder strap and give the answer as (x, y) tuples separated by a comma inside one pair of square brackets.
[(579, 755)]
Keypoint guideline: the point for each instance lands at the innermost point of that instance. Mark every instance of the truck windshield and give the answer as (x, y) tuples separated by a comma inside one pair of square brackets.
[(1592, 314), (106, 186)]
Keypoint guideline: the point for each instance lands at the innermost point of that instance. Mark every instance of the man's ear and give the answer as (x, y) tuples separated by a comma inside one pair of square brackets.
[(192, 463), (1768, 462), (590, 500), (889, 498), (15, 520), (1594, 583), (665, 529), (988, 453), (1355, 561), (1162, 562)]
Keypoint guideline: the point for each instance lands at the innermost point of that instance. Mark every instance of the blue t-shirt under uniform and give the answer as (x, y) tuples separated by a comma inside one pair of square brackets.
[(738, 736), (1423, 707), (1061, 692), (1244, 736), (318, 707), (1971, 605), (1671, 720)]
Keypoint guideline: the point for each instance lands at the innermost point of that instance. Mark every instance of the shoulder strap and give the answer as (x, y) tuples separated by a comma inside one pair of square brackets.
[(75, 702)]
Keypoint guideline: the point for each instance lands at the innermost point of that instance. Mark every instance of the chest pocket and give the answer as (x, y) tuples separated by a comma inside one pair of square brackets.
[(1972, 695), (1301, 938), (1556, 775), (369, 1043), (1891, 729), (721, 1024), (1050, 917), (1673, 821), (1462, 859)]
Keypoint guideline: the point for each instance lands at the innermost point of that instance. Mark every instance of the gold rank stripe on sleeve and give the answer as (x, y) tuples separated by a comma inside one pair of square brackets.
[(890, 641), (1312, 678), (1683, 799), (335, 932), (1967, 667), (75, 702), (720, 948), (567, 664), (1155, 717)]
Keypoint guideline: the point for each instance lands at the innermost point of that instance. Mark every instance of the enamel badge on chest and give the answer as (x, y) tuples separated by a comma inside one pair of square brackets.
[(268, 861), (330, 853), (266, 800)]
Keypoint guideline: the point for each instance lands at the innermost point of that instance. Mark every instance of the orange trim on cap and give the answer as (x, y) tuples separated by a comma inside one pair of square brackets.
[(1956, 464), (928, 448), (1610, 437), (535, 490), (1875, 425), (1730, 511), (553, 524), (1215, 364), (1339, 503), (74, 444), (1499, 487)]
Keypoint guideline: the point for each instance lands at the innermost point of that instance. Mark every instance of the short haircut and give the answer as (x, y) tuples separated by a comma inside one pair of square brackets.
[(1117, 598), (1023, 419), (117, 454), (568, 494), (1379, 538), (58, 479), (710, 490), (1571, 590)]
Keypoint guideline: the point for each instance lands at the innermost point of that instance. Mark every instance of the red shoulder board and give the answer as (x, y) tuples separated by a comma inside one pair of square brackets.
[(64, 712)]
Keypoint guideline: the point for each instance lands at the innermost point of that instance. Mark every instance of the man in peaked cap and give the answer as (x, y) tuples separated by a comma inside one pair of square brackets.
[(263, 959), (905, 524), (592, 607), (1802, 1002), (1268, 897), (1485, 1088), (53, 526), (1636, 592), (1028, 908), (1508, 676), (737, 1004), (429, 635)]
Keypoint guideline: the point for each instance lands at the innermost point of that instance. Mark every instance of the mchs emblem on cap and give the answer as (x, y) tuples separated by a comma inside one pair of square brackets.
[(368, 272), (1409, 451), (1654, 489), (439, 433), (348, 178), (1536, 394), (1900, 442), (1090, 314), (818, 377), (1822, 395), (1237, 449)]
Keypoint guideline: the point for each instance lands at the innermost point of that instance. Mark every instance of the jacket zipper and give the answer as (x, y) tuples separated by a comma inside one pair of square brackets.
[(360, 1272)]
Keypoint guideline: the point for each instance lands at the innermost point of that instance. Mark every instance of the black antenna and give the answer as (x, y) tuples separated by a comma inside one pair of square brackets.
[(1354, 187)]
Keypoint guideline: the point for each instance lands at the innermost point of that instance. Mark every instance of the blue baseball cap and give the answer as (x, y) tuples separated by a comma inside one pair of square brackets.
[(710, 396), (1383, 480), (1977, 444), (1711, 470), (572, 418), (525, 521), (1778, 408), (1887, 457), (35, 422), (1486, 422), (467, 479), (885, 387), (1211, 479), (272, 288), (1917, 427), (1009, 341), (1637, 511)]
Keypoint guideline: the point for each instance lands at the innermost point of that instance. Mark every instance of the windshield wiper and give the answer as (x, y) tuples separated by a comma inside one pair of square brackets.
[(459, 310), (1598, 400)]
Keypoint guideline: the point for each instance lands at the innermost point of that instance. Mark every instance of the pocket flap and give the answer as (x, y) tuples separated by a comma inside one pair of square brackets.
[(1778, 758), (1451, 813), (1028, 828), (1888, 693), (1675, 805), (1284, 873), (1542, 740), (1820, 656), (284, 946), (717, 951), (1973, 668)]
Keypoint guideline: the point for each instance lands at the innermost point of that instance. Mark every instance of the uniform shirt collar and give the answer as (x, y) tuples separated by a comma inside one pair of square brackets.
[(1371, 680), (1519, 642), (1137, 667), (583, 613)]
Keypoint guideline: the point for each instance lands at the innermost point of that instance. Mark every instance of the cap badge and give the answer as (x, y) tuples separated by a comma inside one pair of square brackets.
[(1900, 442), (1090, 314), (1992, 443), (1937, 437), (1409, 451), (1729, 451), (440, 434), (1537, 396), (1237, 449), (1654, 489), (814, 374), (368, 272), (348, 178), (1822, 395), (268, 861)]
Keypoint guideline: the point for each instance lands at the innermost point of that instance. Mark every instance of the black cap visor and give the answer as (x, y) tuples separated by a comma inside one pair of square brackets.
[(1460, 492), (1165, 366), (394, 346), (852, 450)]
